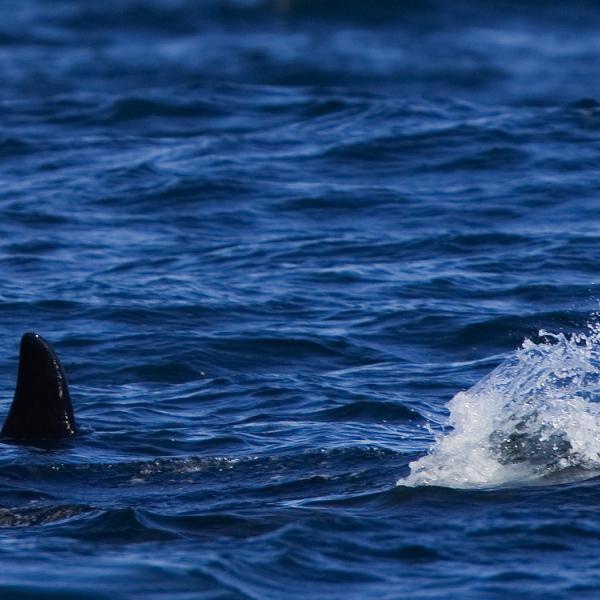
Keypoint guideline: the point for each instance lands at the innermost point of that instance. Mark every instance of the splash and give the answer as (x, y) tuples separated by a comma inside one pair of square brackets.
[(537, 415)]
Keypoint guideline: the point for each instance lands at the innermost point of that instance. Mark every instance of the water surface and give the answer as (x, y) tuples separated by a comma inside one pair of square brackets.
[(271, 241)]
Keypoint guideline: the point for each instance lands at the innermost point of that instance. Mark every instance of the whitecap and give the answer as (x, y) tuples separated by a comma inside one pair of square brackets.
[(534, 416)]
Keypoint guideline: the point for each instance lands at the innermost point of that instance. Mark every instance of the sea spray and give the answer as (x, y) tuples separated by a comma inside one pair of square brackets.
[(535, 415)]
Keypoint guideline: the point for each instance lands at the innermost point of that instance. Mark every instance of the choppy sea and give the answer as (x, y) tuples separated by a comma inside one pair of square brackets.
[(323, 277)]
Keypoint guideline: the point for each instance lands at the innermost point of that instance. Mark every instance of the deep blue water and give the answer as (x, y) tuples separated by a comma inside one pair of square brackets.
[(270, 242)]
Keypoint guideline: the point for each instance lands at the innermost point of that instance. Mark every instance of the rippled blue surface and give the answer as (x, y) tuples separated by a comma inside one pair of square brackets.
[(270, 241)]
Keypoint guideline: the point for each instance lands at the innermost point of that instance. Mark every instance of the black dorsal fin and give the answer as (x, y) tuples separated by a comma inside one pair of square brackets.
[(41, 408)]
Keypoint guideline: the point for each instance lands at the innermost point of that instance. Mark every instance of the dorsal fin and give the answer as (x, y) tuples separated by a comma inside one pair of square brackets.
[(41, 408)]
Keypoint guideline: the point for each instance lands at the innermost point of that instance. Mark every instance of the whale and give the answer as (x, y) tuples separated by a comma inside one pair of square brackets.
[(41, 409)]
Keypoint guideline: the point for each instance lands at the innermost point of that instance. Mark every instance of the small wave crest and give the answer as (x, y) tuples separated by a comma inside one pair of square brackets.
[(537, 415)]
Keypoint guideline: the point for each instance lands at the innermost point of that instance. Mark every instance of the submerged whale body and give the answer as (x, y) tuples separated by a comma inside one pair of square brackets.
[(529, 441), (41, 409)]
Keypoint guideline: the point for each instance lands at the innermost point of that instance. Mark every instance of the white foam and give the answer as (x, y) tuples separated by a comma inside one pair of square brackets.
[(535, 415)]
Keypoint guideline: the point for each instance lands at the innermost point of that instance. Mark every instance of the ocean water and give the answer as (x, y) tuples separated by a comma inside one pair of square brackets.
[(323, 277)]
